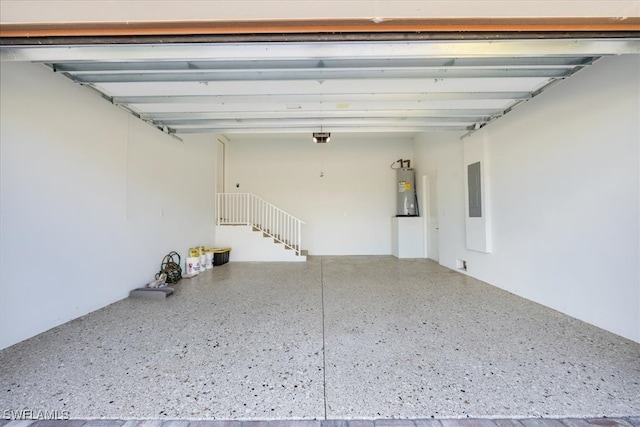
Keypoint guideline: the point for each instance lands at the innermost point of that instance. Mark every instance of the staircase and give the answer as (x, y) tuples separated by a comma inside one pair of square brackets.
[(242, 217)]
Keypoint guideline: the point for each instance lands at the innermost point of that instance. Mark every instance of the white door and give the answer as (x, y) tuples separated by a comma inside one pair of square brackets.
[(433, 225)]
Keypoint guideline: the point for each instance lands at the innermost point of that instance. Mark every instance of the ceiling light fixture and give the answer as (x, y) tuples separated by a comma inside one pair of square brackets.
[(321, 137)]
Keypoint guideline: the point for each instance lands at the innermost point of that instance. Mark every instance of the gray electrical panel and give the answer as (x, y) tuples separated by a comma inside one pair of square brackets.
[(475, 192)]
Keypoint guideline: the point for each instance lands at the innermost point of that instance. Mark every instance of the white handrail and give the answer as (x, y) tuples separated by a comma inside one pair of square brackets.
[(249, 209)]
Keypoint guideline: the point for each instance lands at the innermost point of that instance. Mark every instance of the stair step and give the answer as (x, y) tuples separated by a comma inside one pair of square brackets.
[(303, 252), (276, 240)]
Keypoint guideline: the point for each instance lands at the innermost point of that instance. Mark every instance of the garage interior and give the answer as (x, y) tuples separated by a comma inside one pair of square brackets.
[(116, 138)]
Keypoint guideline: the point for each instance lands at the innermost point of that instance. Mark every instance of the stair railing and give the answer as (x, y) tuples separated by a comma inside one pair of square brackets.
[(249, 209)]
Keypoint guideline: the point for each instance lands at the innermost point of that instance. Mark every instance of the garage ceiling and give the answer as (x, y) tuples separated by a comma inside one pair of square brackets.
[(338, 86)]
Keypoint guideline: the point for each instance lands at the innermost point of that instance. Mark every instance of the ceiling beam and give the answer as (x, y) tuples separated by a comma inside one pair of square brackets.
[(329, 50), (309, 129), (317, 74), (223, 63), (354, 120), (472, 114), (315, 97)]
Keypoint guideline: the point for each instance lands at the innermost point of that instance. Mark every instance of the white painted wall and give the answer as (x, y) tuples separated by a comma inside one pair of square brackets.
[(348, 211), (565, 189), (91, 200), (139, 10)]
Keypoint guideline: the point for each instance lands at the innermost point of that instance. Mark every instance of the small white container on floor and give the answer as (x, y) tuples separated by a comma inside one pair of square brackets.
[(192, 265), (209, 262)]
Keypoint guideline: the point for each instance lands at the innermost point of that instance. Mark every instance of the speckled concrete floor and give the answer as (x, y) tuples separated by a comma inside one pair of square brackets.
[(333, 338)]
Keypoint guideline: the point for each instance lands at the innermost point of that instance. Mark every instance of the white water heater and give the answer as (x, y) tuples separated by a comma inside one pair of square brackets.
[(406, 204)]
